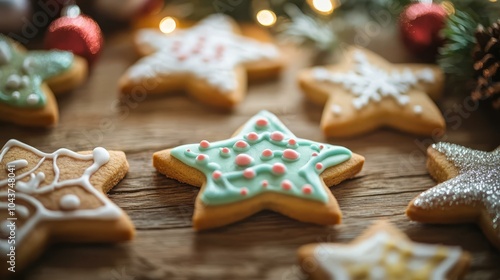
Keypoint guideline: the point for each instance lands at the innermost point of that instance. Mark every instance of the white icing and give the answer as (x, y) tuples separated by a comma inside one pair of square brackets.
[(209, 50), (26, 191), (417, 109), (5, 54), (17, 164), (372, 253), (371, 83), (69, 202), (16, 95), (32, 99), (13, 81), (28, 65), (336, 109), (25, 81)]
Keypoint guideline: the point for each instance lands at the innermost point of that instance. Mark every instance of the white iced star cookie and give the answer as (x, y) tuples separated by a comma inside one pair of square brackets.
[(57, 197), (469, 189), (210, 61), (363, 92), (263, 166), (382, 253)]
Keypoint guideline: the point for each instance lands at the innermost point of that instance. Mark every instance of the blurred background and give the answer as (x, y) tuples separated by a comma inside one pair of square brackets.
[(460, 35)]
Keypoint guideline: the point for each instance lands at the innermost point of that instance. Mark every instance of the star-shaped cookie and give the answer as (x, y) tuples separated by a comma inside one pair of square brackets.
[(364, 91), (210, 61), (29, 79), (263, 166), (382, 252), (469, 189), (57, 197)]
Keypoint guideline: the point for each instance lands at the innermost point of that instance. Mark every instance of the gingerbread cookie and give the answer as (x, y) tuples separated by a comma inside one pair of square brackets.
[(469, 189), (363, 92), (57, 197), (209, 61), (29, 79), (263, 166), (383, 252)]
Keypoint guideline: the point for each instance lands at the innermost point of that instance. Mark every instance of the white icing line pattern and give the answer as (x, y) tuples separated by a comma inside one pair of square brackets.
[(374, 254), (371, 83), (26, 190), (209, 50)]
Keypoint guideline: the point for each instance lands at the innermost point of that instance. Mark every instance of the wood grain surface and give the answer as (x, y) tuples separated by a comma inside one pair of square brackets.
[(264, 245)]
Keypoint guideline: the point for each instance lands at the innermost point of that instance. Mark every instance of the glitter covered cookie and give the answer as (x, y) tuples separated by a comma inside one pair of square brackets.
[(210, 61), (383, 252), (29, 79), (263, 166), (57, 197), (469, 189), (363, 92)]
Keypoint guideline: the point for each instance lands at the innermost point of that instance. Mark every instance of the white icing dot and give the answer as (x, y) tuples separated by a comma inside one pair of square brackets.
[(426, 75), (336, 109), (16, 95), (25, 81), (320, 74), (417, 109), (101, 156), (32, 99), (28, 65), (69, 202), (17, 164), (403, 99), (358, 104), (13, 81)]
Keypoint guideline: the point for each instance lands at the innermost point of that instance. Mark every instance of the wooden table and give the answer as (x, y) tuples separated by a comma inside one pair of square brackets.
[(264, 245)]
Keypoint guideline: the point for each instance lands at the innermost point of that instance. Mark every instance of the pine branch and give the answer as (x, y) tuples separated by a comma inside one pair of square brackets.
[(455, 56)]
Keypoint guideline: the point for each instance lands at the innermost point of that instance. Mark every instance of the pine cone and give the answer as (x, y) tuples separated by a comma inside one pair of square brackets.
[(486, 56)]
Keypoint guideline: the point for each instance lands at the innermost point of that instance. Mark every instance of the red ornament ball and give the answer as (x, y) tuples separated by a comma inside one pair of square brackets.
[(420, 25), (79, 34)]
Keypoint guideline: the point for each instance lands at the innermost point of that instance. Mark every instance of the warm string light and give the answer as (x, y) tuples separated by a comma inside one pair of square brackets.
[(168, 25), (448, 7), (266, 17), (324, 7)]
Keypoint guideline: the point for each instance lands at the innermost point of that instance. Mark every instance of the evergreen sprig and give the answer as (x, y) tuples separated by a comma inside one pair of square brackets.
[(455, 57)]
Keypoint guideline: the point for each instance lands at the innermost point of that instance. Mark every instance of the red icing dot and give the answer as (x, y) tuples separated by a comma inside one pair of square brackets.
[(201, 157), (243, 160), (279, 168), (182, 57), (319, 166), (216, 175), (244, 191), (277, 136), (241, 144), (267, 153), (225, 150), (206, 59), (204, 144), (248, 173), (286, 185), (321, 147), (292, 142), (196, 50), (261, 122), (265, 183), (290, 154), (307, 189), (188, 150), (252, 136), (314, 154)]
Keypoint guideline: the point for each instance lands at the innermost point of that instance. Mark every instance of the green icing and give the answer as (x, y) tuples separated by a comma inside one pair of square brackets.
[(232, 185), (22, 73)]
